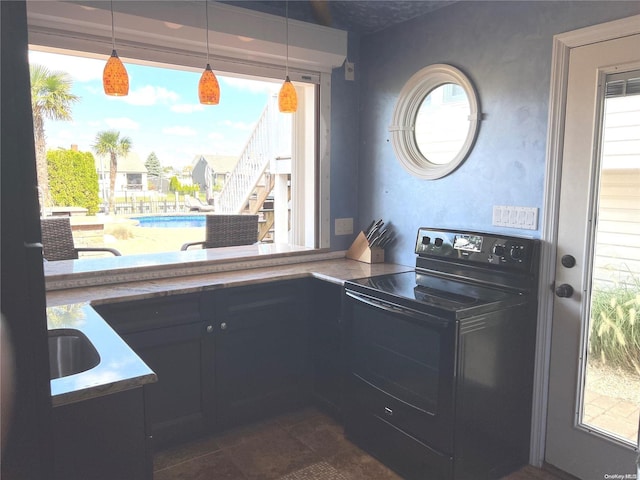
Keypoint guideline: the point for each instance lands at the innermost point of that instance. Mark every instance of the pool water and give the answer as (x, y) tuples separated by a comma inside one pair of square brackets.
[(171, 221)]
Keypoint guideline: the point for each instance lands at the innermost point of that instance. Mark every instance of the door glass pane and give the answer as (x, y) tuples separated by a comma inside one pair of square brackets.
[(611, 396)]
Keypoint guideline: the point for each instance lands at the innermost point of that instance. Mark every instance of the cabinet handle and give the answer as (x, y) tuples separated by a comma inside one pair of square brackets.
[(223, 326), (209, 328), (388, 411)]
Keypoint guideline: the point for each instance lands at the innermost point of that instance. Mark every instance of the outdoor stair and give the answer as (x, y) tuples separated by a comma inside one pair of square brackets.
[(248, 188)]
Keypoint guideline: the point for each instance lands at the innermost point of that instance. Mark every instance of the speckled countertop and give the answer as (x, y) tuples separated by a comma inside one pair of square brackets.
[(335, 270), (119, 367), (73, 286)]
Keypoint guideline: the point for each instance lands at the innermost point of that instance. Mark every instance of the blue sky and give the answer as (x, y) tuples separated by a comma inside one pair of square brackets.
[(161, 114)]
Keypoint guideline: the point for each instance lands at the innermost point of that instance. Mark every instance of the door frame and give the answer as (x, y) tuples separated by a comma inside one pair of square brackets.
[(562, 45)]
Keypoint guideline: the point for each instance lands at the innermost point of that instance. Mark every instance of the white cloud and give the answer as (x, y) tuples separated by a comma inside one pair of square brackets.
[(180, 131), (122, 122), (242, 126), (253, 86), (215, 136), (150, 95), (81, 69), (94, 123), (186, 107)]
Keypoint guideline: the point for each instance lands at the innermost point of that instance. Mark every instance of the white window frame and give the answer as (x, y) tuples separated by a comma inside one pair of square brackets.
[(242, 42)]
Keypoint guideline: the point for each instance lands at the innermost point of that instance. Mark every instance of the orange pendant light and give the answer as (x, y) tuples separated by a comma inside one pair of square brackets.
[(287, 98), (115, 79), (208, 88)]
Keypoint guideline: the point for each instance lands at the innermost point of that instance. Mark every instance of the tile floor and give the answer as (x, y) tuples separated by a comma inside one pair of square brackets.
[(304, 445)]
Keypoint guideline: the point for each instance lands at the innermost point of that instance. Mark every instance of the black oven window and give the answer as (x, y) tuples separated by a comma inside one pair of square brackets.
[(398, 356)]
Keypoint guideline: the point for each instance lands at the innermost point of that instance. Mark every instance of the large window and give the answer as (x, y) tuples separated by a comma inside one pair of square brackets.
[(246, 46), (236, 157)]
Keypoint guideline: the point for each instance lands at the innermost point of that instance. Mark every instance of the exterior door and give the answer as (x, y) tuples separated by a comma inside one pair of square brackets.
[(594, 391)]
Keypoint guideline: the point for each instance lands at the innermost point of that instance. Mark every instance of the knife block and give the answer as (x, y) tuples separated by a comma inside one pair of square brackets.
[(362, 252)]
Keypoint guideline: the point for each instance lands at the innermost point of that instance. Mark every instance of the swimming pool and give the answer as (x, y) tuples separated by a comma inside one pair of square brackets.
[(171, 221)]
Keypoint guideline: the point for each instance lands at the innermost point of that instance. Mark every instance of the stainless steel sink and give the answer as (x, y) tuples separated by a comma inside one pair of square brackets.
[(70, 352)]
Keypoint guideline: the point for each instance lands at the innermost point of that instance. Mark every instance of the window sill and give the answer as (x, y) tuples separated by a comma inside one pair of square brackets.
[(88, 272)]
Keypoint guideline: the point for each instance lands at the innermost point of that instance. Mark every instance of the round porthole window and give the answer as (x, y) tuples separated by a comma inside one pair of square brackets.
[(435, 121)]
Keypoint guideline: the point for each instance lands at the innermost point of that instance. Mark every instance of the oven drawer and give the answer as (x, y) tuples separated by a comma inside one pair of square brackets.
[(422, 425), (412, 459)]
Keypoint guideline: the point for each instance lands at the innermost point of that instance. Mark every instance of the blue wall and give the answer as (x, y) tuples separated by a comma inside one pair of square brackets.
[(345, 134), (505, 48)]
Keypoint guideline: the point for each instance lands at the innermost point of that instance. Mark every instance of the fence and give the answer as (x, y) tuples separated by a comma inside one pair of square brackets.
[(143, 205)]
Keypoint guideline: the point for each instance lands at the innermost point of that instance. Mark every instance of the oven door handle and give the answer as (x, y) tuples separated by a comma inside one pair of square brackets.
[(421, 317)]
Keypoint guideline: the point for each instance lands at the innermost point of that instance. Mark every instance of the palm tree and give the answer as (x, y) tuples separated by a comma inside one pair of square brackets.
[(108, 142), (51, 98)]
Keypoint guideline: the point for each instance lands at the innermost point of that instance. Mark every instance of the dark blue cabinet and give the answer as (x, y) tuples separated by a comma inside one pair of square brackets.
[(102, 438), (168, 334), (325, 345), (260, 336)]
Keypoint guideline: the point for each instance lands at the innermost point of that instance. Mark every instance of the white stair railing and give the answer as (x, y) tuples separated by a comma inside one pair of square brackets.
[(253, 161)]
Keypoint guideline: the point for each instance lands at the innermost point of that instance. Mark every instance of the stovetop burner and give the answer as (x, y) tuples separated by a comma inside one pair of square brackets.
[(429, 290), (459, 274)]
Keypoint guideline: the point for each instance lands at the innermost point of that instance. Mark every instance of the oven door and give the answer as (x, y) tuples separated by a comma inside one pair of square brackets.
[(401, 369)]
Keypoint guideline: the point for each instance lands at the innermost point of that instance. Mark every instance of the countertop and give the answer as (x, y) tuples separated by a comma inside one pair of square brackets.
[(74, 286), (332, 270), (119, 368)]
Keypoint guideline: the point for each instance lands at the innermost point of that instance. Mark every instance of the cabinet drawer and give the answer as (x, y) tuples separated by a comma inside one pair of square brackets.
[(417, 423), (254, 297), (406, 455), (159, 312)]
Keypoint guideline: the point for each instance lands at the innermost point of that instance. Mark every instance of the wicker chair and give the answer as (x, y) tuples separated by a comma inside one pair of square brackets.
[(57, 240), (228, 231)]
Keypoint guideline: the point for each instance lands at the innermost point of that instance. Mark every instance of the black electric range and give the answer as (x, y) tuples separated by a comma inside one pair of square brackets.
[(440, 360)]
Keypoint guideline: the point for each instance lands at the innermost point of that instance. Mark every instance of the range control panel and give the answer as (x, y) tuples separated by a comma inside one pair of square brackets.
[(474, 247)]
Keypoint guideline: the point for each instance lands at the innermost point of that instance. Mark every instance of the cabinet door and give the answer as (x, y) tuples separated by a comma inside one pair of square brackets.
[(177, 405), (261, 348), (101, 438), (325, 348)]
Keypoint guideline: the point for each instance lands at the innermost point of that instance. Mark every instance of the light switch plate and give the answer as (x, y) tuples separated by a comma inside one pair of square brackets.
[(515, 217), (344, 226)]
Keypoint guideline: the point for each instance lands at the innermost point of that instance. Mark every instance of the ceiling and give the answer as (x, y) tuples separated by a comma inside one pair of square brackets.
[(359, 16)]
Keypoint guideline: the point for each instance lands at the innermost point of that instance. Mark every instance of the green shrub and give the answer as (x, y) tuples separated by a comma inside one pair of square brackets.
[(614, 335), (176, 186), (73, 179)]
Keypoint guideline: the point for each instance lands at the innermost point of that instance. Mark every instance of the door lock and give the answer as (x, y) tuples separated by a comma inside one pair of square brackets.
[(564, 291), (568, 261)]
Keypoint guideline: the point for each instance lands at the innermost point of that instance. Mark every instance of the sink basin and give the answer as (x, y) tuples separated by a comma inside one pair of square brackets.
[(70, 352)]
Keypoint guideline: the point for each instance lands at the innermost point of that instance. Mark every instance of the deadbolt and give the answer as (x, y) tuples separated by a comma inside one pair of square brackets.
[(568, 261)]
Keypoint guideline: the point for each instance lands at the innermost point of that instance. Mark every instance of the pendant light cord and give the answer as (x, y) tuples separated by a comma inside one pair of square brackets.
[(206, 9), (286, 13), (113, 33)]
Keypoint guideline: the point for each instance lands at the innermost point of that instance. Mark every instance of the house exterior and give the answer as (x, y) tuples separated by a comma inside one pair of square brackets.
[(131, 175), (219, 167)]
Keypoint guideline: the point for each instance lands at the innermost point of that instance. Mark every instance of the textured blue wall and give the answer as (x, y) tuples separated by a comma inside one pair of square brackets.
[(345, 133), (505, 48)]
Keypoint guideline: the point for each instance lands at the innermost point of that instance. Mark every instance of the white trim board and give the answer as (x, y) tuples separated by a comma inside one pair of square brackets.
[(152, 31)]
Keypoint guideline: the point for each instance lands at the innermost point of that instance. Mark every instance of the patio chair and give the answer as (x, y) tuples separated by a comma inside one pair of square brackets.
[(194, 204), (228, 231), (57, 240)]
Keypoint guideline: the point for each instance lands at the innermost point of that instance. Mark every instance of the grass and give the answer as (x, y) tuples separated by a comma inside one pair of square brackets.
[(614, 335)]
